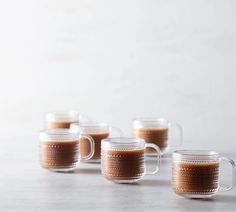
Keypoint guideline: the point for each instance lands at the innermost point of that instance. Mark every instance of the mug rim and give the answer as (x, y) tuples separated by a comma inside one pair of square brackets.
[(195, 152), (90, 124), (57, 131), (150, 119), (69, 115), (123, 140), (60, 134)]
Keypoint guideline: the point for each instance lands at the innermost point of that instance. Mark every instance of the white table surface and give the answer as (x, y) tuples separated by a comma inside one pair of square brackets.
[(25, 186)]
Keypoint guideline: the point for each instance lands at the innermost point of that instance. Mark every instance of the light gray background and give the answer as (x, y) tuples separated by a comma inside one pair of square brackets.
[(115, 60)]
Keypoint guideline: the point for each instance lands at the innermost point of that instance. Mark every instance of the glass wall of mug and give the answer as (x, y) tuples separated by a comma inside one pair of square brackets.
[(59, 149), (162, 132), (195, 173), (123, 159), (96, 131), (63, 119)]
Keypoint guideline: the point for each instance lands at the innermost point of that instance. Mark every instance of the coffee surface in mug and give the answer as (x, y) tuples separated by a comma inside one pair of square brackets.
[(195, 178), (158, 136), (85, 146), (59, 154), (59, 124), (122, 164)]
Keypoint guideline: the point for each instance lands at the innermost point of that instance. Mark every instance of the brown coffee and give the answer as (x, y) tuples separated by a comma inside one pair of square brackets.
[(85, 148), (122, 165), (59, 155), (190, 178), (58, 124), (158, 136)]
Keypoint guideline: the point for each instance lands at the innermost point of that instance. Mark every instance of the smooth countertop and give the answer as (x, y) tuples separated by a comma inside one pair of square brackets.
[(25, 186)]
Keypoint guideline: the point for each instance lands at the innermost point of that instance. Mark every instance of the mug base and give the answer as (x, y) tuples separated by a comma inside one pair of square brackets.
[(196, 196), (62, 169), (125, 181)]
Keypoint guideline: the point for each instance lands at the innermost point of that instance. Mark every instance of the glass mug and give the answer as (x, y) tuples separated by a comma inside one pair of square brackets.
[(55, 120), (59, 149), (123, 159), (95, 131), (158, 131), (195, 173)]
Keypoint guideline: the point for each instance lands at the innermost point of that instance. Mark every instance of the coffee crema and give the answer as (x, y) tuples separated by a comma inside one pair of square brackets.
[(123, 164), (59, 154), (158, 136), (190, 178), (85, 146)]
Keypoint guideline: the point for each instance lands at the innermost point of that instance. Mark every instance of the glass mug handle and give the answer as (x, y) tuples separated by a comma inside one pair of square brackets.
[(180, 130), (232, 163), (117, 130), (92, 146), (150, 145)]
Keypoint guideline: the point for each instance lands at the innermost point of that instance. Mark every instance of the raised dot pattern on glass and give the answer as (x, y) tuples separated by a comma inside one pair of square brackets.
[(120, 165), (59, 155), (195, 178)]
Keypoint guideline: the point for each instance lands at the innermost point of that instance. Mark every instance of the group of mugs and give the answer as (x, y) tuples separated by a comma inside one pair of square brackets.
[(66, 140)]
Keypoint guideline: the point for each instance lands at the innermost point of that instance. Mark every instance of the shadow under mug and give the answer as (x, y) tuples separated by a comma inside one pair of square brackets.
[(123, 159), (195, 173), (95, 131), (59, 149), (162, 132)]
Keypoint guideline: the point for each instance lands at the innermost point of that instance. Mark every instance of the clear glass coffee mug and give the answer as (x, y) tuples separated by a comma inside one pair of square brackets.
[(63, 119), (159, 131), (123, 159), (59, 149), (195, 173), (96, 131)]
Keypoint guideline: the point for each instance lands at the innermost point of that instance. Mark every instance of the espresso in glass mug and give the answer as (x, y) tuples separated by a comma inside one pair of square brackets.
[(162, 132), (123, 159), (195, 173), (63, 119), (59, 149), (96, 131)]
